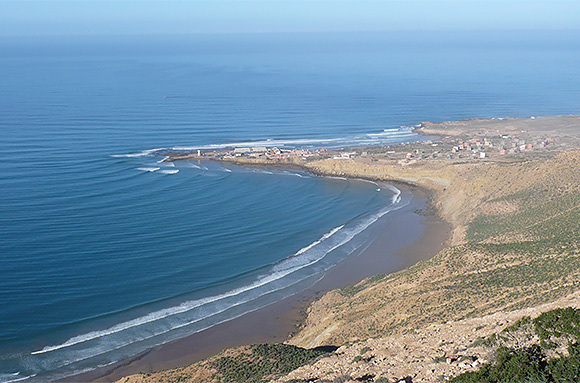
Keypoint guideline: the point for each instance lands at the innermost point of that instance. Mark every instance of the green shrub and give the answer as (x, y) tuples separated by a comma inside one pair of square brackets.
[(264, 362), (526, 365)]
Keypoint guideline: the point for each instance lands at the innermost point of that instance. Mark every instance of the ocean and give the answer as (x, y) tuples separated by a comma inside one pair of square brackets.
[(105, 251)]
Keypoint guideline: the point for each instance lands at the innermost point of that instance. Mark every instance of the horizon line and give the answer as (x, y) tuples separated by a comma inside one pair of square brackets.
[(288, 32)]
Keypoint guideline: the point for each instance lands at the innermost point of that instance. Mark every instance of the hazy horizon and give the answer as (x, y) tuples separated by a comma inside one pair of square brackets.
[(41, 18)]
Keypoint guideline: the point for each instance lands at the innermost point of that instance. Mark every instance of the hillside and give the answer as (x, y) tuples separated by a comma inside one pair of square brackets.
[(515, 245), (514, 253)]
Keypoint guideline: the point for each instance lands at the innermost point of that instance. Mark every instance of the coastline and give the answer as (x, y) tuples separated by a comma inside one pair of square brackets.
[(405, 236), (458, 192)]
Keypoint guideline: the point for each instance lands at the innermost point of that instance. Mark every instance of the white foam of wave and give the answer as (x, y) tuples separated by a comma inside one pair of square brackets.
[(295, 174), (397, 196), (371, 182), (386, 135), (349, 234), (173, 171), (366, 139), (368, 181), (323, 238), (393, 132), (283, 269), (11, 379), (198, 166), (239, 303), (163, 159), (228, 307), (402, 131), (182, 308), (143, 153), (148, 169), (266, 143)]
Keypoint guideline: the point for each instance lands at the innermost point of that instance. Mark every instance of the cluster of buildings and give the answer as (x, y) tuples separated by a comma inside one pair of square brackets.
[(500, 146), (451, 148), (448, 148), (262, 152)]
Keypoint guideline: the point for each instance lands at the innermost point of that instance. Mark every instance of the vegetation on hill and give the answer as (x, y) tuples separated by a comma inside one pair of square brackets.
[(516, 244), (519, 248), (525, 350), (263, 362), (246, 364)]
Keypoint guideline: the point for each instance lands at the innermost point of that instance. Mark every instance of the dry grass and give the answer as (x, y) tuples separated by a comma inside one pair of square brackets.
[(507, 258)]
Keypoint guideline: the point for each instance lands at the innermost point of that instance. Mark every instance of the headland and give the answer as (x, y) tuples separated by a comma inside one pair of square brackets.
[(510, 189)]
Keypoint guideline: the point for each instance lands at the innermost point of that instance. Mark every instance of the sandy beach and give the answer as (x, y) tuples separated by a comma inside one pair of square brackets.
[(398, 240)]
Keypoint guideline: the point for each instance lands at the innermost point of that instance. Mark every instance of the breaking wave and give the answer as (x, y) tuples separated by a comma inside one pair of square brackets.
[(135, 335), (387, 136), (171, 171)]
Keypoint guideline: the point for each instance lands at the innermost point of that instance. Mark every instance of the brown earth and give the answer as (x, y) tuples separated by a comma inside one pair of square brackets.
[(515, 249), (556, 126), (428, 354), (431, 290)]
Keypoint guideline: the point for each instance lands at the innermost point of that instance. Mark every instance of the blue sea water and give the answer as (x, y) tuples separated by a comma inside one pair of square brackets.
[(105, 251)]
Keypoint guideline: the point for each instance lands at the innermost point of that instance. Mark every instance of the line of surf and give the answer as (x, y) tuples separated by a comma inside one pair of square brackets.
[(189, 323), (190, 305), (364, 139), (349, 235), (277, 276), (19, 379), (184, 307)]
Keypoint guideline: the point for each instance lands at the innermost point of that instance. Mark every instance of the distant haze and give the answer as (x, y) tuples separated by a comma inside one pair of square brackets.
[(81, 17)]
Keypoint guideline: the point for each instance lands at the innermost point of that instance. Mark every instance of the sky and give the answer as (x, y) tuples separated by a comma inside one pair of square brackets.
[(106, 17)]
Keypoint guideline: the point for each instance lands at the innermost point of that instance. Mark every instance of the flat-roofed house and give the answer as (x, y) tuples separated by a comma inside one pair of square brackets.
[(259, 149)]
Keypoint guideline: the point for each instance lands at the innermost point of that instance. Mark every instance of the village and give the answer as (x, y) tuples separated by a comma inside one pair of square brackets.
[(476, 147), (496, 148)]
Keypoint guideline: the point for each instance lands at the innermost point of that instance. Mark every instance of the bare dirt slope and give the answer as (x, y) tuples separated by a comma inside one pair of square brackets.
[(515, 249), (429, 354), (516, 246)]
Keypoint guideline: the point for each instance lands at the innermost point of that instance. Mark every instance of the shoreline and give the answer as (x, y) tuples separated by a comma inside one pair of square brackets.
[(277, 322), (444, 190)]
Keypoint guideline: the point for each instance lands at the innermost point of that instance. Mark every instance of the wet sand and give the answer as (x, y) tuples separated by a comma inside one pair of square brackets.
[(399, 240)]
